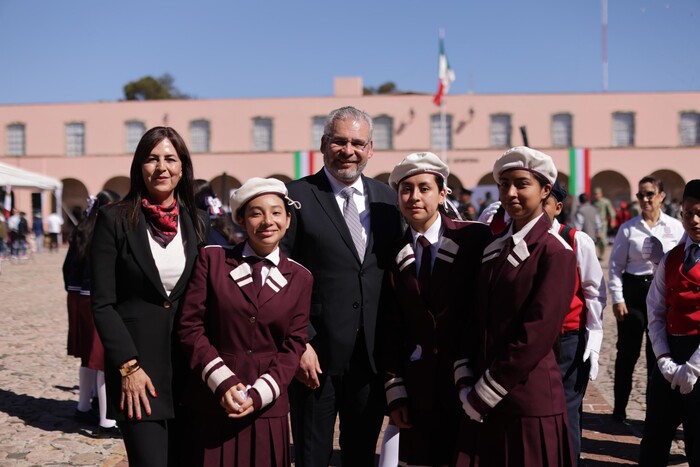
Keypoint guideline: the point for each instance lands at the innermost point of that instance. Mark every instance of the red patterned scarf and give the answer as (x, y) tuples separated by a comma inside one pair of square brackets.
[(163, 221)]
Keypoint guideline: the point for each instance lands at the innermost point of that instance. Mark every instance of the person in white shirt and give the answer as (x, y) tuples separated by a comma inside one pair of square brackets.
[(674, 318), (630, 275), (54, 221), (582, 333)]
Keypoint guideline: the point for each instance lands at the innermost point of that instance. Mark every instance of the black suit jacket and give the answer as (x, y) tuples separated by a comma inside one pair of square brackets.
[(133, 315), (347, 289)]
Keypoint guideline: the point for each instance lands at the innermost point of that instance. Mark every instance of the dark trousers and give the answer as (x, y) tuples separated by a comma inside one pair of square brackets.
[(356, 396), (574, 374), (630, 332), (151, 443), (667, 409)]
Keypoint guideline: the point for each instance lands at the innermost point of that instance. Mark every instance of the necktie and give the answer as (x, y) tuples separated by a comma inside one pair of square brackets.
[(352, 219), (256, 265), (426, 260), (691, 258)]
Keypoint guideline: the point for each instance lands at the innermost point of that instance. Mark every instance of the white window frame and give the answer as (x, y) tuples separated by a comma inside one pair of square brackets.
[(263, 128), (501, 130), (623, 129), (16, 139), (562, 130), (200, 135), (383, 132), (318, 123), (689, 129), (436, 135), (135, 129), (75, 139)]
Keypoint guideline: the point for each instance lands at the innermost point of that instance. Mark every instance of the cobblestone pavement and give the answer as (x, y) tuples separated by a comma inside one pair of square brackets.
[(38, 384)]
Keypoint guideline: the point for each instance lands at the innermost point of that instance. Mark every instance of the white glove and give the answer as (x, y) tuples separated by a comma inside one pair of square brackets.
[(467, 407), (593, 356), (487, 215), (685, 378), (668, 368), (652, 249)]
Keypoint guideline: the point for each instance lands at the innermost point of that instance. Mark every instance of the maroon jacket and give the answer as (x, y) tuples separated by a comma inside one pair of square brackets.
[(525, 294), (420, 335), (230, 335)]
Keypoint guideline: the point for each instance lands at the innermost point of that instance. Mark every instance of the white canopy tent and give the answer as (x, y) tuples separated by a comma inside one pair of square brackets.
[(14, 177)]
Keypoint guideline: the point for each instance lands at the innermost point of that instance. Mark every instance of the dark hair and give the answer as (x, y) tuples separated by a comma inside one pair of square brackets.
[(202, 189), (583, 198), (81, 236), (654, 181), (184, 191)]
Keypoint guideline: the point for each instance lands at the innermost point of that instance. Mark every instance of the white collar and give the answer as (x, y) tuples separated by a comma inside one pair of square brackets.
[(520, 234), (273, 257), (432, 234)]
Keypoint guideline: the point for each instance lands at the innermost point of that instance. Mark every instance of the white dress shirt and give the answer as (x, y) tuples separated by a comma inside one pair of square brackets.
[(359, 197), (170, 261), (433, 235), (626, 254), (656, 307), (273, 258), (592, 285)]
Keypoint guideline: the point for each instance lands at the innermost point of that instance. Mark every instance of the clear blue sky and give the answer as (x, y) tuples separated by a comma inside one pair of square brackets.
[(86, 50)]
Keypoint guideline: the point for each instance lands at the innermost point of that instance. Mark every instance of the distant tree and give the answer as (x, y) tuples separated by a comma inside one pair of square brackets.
[(150, 88), (385, 88)]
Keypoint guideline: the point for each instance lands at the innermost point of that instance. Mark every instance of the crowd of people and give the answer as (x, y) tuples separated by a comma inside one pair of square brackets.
[(205, 336)]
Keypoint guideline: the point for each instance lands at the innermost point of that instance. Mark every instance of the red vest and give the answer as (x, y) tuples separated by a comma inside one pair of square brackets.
[(682, 295), (576, 318)]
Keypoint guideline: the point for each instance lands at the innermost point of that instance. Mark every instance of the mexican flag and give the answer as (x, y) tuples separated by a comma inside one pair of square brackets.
[(579, 172), (445, 74), (303, 164)]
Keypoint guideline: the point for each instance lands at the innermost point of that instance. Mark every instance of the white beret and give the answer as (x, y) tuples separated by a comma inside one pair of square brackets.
[(418, 163), (522, 157), (255, 187)]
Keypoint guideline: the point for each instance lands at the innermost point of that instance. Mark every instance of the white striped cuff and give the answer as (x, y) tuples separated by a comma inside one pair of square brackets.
[(489, 390), (395, 390), (268, 389), (218, 376), (462, 370)]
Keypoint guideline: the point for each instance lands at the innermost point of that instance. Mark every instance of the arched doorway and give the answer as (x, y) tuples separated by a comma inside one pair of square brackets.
[(120, 185), (673, 184), (614, 185), (74, 202), (222, 185), (486, 180), (382, 177)]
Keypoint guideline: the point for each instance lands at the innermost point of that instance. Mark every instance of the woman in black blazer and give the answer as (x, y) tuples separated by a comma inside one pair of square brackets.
[(143, 251)]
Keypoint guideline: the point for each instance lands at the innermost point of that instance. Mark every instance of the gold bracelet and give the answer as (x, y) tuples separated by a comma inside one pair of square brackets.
[(129, 369)]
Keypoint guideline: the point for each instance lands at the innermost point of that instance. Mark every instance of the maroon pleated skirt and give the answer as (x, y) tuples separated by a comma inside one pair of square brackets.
[(83, 340), (262, 442), (515, 441)]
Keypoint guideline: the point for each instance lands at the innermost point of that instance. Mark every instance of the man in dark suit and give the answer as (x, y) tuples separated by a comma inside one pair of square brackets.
[(343, 235)]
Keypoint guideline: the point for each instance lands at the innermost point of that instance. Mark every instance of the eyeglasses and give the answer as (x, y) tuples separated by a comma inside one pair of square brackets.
[(340, 143), (647, 195)]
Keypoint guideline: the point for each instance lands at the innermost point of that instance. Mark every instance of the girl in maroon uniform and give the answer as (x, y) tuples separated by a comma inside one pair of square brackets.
[(243, 329), (516, 408)]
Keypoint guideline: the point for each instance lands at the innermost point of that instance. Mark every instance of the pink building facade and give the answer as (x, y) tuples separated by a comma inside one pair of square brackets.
[(89, 145)]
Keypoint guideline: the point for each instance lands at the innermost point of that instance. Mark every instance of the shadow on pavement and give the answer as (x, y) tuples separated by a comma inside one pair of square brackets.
[(45, 414), (613, 448)]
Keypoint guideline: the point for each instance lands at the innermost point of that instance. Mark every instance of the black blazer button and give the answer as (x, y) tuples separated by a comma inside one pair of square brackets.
[(356, 305), (252, 320), (167, 304)]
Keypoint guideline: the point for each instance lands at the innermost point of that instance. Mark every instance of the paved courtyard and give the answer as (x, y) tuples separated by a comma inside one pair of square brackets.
[(38, 383)]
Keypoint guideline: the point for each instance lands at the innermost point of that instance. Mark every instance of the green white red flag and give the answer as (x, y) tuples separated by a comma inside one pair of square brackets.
[(446, 75), (579, 171), (303, 164)]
